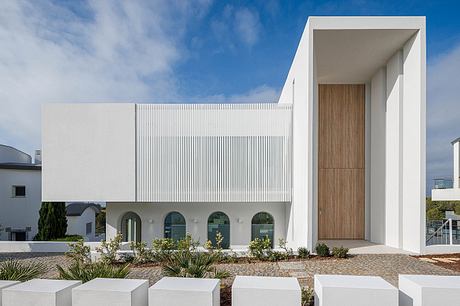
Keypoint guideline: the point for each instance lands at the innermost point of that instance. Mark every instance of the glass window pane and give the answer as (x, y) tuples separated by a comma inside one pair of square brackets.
[(262, 226), (131, 227), (174, 226), (219, 222)]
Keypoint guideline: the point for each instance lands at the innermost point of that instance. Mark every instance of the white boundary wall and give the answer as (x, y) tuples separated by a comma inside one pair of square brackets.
[(45, 246)]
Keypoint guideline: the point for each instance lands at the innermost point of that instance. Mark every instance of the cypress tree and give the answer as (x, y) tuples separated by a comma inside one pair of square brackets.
[(52, 223)]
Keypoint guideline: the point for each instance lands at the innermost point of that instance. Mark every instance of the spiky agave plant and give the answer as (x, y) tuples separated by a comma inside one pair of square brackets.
[(193, 264), (12, 269), (87, 272)]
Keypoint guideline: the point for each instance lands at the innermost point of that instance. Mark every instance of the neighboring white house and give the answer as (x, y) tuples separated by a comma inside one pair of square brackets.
[(20, 194), (81, 219), (340, 156), (449, 189)]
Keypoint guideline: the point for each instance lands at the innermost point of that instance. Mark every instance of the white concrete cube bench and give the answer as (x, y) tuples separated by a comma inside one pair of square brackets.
[(111, 291), (347, 290), (265, 291), (40, 292), (6, 284), (429, 290), (176, 291)]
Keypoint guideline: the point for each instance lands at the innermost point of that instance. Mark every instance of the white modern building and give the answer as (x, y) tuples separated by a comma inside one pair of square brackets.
[(449, 189), (81, 219), (340, 156), (20, 194)]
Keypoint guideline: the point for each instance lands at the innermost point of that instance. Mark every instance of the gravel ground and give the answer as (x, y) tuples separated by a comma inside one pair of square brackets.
[(386, 266), (448, 261)]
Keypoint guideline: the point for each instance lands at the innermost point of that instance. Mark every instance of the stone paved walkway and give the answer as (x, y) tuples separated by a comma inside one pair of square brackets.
[(387, 266)]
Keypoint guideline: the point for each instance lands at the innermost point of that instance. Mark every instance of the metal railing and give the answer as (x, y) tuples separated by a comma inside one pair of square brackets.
[(443, 183), (443, 232)]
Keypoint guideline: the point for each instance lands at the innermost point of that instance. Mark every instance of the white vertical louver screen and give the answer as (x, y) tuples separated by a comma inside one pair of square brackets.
[(213, 152)]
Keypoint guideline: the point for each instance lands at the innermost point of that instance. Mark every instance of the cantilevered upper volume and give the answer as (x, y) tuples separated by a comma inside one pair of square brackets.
[(341, 156)]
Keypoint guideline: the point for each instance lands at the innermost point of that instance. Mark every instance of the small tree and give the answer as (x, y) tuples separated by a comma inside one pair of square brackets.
[(52, 223)]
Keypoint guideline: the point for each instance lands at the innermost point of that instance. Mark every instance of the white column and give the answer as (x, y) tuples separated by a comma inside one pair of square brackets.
[(393, 149), (377, 157), (413, 162), (456, 177)]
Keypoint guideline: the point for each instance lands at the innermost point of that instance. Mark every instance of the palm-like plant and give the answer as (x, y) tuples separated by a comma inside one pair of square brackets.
[(87, 272), (193, 264), (12, 269)]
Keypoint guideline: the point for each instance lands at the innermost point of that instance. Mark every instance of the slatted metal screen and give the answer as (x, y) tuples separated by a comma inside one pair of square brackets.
[(213, 152)]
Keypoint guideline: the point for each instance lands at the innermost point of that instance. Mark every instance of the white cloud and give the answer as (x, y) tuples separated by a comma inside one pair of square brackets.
[(259, 94), (443, 113), (108, 52), (237, 25), (247, 26), (114, 51)]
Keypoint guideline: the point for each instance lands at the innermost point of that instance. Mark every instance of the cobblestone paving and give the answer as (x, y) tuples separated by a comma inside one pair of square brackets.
[(386, 266), (50, 260)]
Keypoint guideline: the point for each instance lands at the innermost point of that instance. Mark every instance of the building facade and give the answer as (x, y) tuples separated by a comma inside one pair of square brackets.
[(20, 194), (340, 156), (449, 189), (81, 220)]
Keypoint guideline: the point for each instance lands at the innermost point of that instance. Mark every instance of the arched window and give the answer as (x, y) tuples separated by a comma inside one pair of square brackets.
[(262, 225), (131, 227), (219, 222), (174, 226)]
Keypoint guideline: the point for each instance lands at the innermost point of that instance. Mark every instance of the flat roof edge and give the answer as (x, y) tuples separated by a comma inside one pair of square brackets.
[(366, 22), (455, 140)]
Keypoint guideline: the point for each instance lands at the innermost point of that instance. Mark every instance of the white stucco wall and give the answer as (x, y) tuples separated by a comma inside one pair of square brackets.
[(298, 90), (393, 150), (196, 215), (385, 222), (377, 157), (76, 225), (414, 143), (19, 212), (456, 163), (88, 152)]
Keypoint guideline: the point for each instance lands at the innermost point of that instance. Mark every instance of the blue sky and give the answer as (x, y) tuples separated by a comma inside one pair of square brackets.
[(192, 51)]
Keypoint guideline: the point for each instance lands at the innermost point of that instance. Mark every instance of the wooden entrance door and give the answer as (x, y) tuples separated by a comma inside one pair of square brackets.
[(341, 159)]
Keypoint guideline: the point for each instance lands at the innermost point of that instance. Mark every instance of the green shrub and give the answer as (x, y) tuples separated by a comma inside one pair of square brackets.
[(221, 274), (140, 253), (303, 252), (162, 248), (108, 250), (307, 296), (193, 264), (340, 252), (229, 257), (283, 245), (83, 269), (14, 270), (187, 243), (127, 258), (260, 248), (69, 238), (87, 272), (322, 250), (79, 252), (163, 245), (276, 256)]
